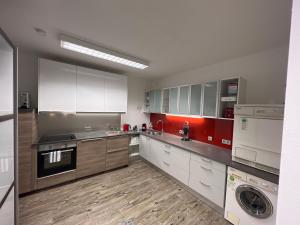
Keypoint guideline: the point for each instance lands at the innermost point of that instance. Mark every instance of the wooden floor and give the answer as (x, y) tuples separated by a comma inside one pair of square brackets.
[(135, 195)]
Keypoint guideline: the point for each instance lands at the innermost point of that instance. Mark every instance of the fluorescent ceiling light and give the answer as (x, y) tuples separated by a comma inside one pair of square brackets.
[(100, 52)]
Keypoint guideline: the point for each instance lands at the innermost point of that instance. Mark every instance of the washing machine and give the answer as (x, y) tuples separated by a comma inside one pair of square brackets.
[(250, 200)]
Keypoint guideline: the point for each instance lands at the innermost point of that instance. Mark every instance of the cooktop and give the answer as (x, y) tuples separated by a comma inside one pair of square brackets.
[(57, 138)]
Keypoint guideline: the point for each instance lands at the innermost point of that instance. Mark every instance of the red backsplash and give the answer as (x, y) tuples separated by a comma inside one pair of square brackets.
[(200, 128)]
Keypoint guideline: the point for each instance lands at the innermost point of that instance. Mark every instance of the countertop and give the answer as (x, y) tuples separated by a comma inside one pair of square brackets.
[(92, 135), (213, 152)]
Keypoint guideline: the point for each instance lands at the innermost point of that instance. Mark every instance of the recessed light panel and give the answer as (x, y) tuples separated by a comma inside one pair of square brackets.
[(102, 53)]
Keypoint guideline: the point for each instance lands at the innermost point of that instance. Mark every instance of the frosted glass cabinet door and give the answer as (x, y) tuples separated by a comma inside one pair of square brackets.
[(57, 86), (90, 90), (152, 101), (6, 77), (195, 105), (210, 99), (116, 92), (7, 211), (6, 156), (183, 104), (157, 101), (174, 100)]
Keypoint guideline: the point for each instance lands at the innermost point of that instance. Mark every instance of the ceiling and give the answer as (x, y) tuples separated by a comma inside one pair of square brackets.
[(173, 35)]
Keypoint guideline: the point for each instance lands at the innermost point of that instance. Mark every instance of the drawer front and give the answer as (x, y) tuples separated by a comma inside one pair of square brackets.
[(180, 159), (211, 192), (208, 175), (117, 159), (179, 174), (276, 112), (117, 143), (208, 163)]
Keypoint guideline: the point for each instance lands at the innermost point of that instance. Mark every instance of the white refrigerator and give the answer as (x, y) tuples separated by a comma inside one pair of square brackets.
[(7, 131)]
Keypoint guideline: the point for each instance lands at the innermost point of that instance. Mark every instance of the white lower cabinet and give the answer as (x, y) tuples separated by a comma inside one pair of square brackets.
[(207, 177), (203, 175), (144, 147)]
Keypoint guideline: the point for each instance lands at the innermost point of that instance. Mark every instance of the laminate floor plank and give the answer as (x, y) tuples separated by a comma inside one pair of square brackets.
[(139, 194)]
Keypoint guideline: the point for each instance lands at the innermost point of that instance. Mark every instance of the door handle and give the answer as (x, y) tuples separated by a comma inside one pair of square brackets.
[(204, 184), (207, 169)]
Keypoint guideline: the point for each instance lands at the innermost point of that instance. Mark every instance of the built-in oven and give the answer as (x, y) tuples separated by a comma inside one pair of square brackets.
[(56, 158)]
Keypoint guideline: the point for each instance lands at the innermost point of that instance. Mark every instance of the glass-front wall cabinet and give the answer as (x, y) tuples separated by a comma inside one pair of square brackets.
[(174, 100), (183, 104), (196, 99), (210, 99)]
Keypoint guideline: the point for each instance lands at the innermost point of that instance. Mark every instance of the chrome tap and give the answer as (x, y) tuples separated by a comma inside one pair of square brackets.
[(162, 124)]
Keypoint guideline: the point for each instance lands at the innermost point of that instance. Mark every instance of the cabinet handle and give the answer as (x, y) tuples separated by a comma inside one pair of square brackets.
[(167, 146), (207, 169), (92, 139), (204, 184), (166, 163), (206, 160), (167, 152)]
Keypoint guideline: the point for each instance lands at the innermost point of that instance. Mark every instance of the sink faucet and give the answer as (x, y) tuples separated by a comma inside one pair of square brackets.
[(162, 124)]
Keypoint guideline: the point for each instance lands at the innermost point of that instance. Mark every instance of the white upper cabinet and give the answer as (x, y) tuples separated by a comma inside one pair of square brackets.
[(57, 86), (90, 90), (70, 88), (115, 93)]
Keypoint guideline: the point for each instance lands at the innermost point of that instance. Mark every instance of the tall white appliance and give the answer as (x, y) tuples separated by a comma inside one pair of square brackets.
[(257, 136), (7, 131)]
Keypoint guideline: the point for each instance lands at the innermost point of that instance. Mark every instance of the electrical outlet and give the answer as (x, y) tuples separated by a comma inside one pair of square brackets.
[(226, 142), (209, 138)]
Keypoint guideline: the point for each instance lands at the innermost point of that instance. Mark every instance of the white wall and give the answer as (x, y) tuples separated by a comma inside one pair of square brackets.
[(288, 209), (265, 73), (136, 90)]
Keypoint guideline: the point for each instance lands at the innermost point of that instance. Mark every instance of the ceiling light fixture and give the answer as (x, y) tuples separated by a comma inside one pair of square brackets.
[(100, 52)]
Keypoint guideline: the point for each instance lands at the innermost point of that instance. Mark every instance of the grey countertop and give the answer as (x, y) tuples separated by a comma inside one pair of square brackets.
[(212, 152), (93, 135)]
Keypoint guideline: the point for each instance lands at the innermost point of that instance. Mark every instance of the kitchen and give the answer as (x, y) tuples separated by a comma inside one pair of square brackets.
[(140, 113)]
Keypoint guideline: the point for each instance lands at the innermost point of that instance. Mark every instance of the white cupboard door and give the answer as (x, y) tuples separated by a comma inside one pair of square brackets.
[(57, 86), (143, 146), (90, 90), (7, 211), (6, 156), (115, 93), (6, 77)]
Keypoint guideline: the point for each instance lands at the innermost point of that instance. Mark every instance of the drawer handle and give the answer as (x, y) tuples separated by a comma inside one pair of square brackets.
[(168, 164), (167, 146), (204, 184), (92, 139), (206, 160), (207, 169), (167, 152)]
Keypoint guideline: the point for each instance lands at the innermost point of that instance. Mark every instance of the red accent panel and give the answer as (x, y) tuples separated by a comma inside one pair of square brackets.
[(200, 128)]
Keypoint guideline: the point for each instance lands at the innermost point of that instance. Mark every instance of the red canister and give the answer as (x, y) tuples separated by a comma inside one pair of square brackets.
[(126, 127)]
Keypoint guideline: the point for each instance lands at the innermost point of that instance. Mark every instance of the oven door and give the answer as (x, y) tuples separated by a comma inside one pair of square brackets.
[(56, 161)]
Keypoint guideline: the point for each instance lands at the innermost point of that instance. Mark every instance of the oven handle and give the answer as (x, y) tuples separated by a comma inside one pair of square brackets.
[(68, 150)]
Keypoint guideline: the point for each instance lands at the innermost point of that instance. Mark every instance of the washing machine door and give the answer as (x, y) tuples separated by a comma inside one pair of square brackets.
[(253, 201)]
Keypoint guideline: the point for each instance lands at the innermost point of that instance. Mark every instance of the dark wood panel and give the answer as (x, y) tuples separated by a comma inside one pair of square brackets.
[(90, 157), (117, 159), (119, 142), (55, 179), (27, 131)]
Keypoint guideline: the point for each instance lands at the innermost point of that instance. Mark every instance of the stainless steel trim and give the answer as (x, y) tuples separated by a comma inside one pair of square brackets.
[(92, 139), (269, 207), (63, 151)]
